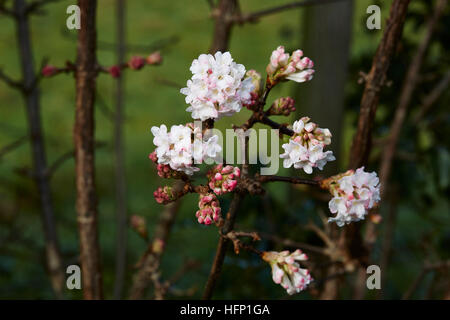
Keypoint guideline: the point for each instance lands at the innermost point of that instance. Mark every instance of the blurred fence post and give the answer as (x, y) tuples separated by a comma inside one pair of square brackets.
[(326, 30)]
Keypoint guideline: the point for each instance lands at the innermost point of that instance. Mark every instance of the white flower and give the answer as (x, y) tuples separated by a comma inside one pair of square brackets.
[(216, 88), (285, 67), (183, 146), (354, 194), (305, 148), (286, 270)]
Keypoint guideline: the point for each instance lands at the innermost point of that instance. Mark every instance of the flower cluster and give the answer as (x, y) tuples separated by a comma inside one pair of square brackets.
[(217, 87), (164, 170), (209, 209), (164, 195), (183, 146), (286, 270), (282, 106), (223, 179), (305, 148), (354, 193), (284, 67)]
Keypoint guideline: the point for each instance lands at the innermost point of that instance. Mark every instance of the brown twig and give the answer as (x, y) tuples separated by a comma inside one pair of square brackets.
[(293, 180), (221, 247), (294, 244), (237, 243), (149, 263)]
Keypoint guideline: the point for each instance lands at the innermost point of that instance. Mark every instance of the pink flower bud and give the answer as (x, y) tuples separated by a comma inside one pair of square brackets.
[(154, 58), (209, 209), (136, 63), (115, 71), (49, 70)]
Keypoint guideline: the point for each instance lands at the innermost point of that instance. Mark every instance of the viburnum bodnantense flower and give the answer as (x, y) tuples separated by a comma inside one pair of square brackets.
[(177, 149), (217, 87), (305, 148), (209, 209), (164, 170), (282, 106), (286, 270), (223, 179), (164, 195), (354, 193), (282, 66), (255, 93)]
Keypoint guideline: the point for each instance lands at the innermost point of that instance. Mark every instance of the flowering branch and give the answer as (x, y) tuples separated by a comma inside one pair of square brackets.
[(220, 87)]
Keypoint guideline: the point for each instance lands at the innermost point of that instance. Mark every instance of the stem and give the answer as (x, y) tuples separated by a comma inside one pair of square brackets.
[(32, 96), (294, 180), (121, 191), (222, 28), (87, 214), (222, 247), (151, 261)]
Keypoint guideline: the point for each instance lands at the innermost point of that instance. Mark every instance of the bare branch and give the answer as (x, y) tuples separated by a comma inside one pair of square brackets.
[(425, 269), (293, 180), (13, 145), (253, 17), (10, 82), (149, 263), (432, 97), (294, 244), (36, 5)]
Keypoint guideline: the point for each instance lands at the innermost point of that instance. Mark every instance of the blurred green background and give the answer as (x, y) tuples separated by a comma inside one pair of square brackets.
[(422, 179)]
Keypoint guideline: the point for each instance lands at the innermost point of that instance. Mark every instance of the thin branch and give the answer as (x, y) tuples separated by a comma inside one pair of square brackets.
[(11, 82), (237, 243), (13, 145), (36, 6), (222, 247), (409, 86), (4, 10), (293, 180), (425, 270), (293, 244), (432, 97), (254, 16), (64, 157), (149, 263)]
